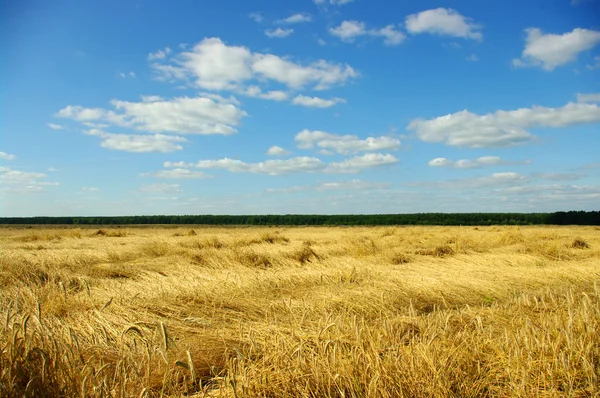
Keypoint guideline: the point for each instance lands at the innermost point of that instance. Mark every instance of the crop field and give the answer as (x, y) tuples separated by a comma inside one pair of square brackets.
[(300, 312)]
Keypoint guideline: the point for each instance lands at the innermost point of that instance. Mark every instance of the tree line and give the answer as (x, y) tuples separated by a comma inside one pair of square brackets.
[(557, 218)]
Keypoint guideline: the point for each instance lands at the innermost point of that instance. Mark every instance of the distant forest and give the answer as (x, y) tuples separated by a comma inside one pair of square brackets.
[(558, 218)]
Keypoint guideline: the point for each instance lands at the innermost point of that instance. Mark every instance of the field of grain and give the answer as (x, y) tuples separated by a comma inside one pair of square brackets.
[(300, 312)]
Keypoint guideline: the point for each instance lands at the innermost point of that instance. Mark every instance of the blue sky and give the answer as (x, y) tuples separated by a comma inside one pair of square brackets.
[(298, 106)]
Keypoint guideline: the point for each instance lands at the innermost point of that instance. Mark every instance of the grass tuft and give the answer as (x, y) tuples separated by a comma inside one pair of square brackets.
[(304, 254), (579, 243)]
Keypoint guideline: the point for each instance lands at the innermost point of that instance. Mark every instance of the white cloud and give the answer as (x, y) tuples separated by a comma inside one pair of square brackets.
[(344, 144), (494, 180), (277, 151), (595, 65), (359, 163), (303, 164), (16, 181), (316, 102), (502, 128), (390, 34), (160, 188), (138, 143), (256, 92), (586, 98), (54, 126), (554, 193), (348, 31), (558, 176), (297, 18), (180, 174), (352, 185), (321, 74), (152, 98), (7, 156), (445, 22), (81, 114), (472, 58), (90, 189), (471, 164), (333, 2), (278, 33), (130, 74), (551, 50), (213, 65), (589, 166), (199, 115), (256, 17), (160, 54)]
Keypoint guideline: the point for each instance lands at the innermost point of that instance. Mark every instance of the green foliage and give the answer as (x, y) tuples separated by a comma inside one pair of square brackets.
[(558, 218)]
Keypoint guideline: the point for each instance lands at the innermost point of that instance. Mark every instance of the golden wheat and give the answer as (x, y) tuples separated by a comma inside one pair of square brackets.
[(300, 312)]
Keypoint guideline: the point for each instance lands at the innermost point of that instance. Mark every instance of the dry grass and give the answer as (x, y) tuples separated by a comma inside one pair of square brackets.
[(300, 312)]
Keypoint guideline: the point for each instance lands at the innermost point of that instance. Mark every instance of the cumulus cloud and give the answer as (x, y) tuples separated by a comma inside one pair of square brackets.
[(90, 189), (320, 74), (300, 164), (152, 98), (554, 193), (17, 181), (549, 51), (472, 164), (316, 102), (256, 17), (125, 75), (493, 180), (278, 33), (333, 2), (352, 185), (296, 18), (344, 144), (7, 156), (444, 22), (359, 163), (137, 142), (183, 115), (160, 188), (277, 151), (558, 176), (54, 126), (179, 174), (160, 54), (391, 36), (502, 128), (586, 98), (273, 95), (595, 65), (348, 31), (214, 65)]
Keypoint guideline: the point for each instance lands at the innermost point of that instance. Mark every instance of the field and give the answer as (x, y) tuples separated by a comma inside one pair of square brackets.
[(300, 312)]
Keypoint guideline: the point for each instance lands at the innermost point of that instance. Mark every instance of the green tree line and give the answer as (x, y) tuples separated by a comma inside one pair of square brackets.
[(557, 218)]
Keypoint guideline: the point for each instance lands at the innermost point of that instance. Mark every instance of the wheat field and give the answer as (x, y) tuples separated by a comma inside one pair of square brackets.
[(300, 312)]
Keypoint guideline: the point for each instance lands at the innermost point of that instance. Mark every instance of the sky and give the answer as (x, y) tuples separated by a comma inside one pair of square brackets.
[(135, 107)]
